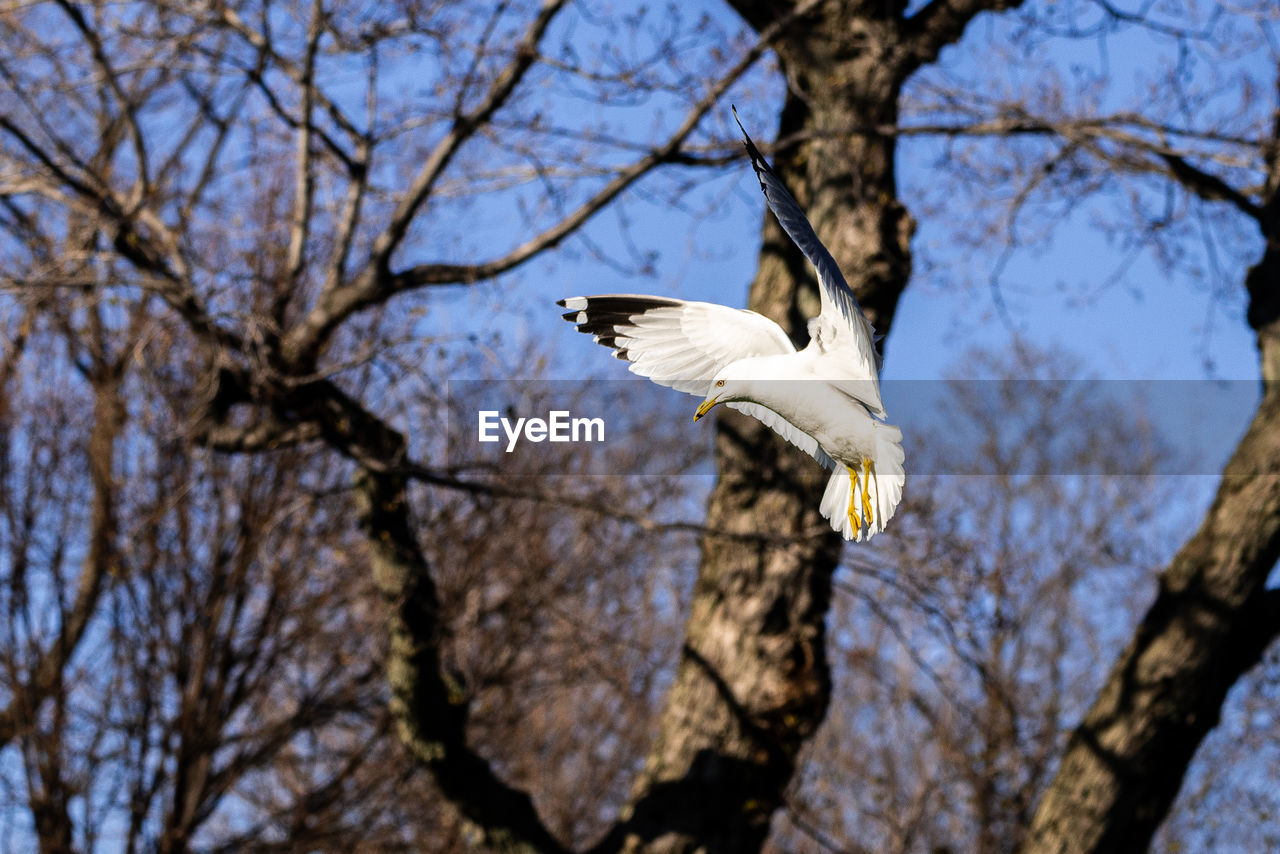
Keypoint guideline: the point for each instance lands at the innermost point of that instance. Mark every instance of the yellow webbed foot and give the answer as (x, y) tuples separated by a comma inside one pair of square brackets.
[(868, 509), (855, 520)]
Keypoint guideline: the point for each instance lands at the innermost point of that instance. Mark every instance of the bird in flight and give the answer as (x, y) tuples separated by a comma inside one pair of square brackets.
[(824, 399)]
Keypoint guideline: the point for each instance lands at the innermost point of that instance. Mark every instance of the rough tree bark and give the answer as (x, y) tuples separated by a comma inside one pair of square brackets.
[(753, 681), (430, 706)]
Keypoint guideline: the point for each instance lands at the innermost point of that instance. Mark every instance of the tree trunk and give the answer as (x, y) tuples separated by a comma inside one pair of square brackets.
[(1211, 622), (753, 682)]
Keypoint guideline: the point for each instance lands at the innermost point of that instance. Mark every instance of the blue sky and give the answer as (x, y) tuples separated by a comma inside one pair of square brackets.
[(1153, 328), (1149, 323)]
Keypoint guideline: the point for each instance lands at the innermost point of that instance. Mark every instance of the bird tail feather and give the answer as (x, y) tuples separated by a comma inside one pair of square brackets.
[(885, 488)]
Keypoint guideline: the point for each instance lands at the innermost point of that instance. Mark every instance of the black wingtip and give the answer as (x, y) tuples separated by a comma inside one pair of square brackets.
[(758, 163), (560, 303)]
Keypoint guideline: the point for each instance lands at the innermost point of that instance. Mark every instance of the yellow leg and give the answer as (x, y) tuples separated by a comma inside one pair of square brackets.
[(875, 486), (868, 509), (854, 520)]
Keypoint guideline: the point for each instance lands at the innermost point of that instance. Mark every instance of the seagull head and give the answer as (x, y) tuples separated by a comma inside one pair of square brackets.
[(726, 387)]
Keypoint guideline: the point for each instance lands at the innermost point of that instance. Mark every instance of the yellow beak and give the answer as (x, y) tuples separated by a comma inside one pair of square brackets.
[(705, 407)]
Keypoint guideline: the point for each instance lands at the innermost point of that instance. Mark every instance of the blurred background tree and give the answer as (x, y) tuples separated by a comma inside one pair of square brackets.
[(253, 602)]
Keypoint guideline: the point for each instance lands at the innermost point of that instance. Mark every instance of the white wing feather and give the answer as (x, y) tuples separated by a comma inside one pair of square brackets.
[(678, 344), (785, 429)]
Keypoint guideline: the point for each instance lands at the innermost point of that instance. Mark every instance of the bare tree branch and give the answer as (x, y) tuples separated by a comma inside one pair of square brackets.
[(142, 185), (464, 127), (101, 560), (376, 283), (303, 177), (941, 23), (231, 18), (429, 704), (1125, 762), (1208, 187)]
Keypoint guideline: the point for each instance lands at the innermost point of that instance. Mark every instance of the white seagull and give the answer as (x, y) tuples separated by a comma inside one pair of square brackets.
[(824, 399)]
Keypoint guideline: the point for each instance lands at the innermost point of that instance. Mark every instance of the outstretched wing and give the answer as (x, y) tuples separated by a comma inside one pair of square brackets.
[(682, 345), (840, 327), (785, 429)]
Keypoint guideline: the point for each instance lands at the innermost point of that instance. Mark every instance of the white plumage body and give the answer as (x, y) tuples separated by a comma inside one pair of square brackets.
[(795, 386)]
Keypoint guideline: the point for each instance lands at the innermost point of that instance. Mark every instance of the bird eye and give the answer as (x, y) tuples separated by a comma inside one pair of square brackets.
[(719, 383)]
